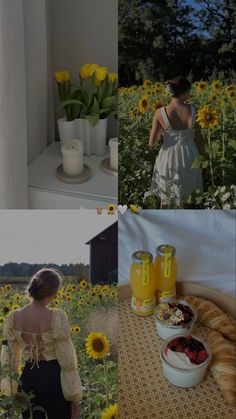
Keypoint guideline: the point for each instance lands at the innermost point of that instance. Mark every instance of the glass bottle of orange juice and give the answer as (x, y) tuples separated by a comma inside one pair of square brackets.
[(143, 283), (165, 266)]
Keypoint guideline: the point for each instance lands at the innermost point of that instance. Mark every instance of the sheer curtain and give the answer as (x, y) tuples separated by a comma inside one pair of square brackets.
[(26, 107)]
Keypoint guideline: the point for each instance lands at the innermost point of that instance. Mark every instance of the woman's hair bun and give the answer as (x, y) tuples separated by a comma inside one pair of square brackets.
[(178, 85), (44, 284)]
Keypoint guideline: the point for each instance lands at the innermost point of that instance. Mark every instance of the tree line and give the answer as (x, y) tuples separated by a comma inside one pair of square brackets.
[(159, 39), (12, 269)]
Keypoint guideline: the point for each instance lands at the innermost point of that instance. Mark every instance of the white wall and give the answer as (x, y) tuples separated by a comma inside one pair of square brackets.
[(85, 31)]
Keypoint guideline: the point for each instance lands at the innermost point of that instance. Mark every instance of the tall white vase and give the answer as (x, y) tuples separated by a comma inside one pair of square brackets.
[(99, 135), (66, 130), (93, 138)]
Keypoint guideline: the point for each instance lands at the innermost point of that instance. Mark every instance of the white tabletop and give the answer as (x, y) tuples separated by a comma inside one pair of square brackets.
[(42, 176)]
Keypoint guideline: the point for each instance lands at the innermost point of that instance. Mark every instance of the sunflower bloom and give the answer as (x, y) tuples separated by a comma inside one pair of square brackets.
[(216, 85), (143, 104), (202, 85), (7, 287), (62, 76), (111, 412), (76, 329), (97, 346), (100, 75), (83, 284), (133, 114), (147, 83), (156, 105), (208, 118)]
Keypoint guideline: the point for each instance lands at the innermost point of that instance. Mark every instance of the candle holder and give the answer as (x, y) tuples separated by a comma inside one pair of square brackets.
[(72, 169), (110, 166)]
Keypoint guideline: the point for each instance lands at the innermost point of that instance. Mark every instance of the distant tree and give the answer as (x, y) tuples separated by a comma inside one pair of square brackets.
[(162, 38)]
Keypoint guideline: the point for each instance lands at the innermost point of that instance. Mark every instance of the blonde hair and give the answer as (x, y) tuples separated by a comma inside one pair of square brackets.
[(44, 283)]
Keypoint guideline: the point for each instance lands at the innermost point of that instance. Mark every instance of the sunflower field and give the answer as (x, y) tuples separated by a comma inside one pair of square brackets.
[(216, 116), (92, 312)]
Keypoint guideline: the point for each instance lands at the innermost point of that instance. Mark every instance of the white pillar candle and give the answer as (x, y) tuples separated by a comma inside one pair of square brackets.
[(113, 144), (72, 157)]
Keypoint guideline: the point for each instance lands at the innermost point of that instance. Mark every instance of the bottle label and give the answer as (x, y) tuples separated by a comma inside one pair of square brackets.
[(143, 307), (166, 296), (145, 270), (167, 264)]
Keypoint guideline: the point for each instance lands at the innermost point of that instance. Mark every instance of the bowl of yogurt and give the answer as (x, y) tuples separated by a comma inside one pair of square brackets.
[(185, 360), (175, 318)]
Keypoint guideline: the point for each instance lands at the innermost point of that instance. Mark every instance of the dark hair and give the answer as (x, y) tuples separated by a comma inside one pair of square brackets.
[(44, 283), (178, 85)]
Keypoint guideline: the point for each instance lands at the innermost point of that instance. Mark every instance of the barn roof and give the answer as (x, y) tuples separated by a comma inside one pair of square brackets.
[(102, 233)]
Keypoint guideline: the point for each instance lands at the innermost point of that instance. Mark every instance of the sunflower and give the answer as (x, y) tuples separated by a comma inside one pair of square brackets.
[(7, 287), (208, 118), (76, 329), (229, 87), (73, 287), (156, 105), (16, 297), (68, 298), (111, 412), (147, 83), (143, 104), (97, 345), (93, 292), (2, 320), (196, 83), (15, 307), (80, 303), (105, 288), (202, 85), (83, 284), (216, 85), (111, 209), (5, 309), (133, 113), (230, 93)]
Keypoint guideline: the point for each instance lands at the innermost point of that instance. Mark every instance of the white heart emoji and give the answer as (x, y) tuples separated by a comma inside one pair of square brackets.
[(122, 208)]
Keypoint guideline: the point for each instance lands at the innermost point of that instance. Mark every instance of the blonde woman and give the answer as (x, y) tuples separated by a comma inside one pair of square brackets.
[(172, 174), (40, 339)]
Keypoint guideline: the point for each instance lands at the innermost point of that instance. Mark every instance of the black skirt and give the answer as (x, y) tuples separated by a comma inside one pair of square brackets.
[(45, 383)]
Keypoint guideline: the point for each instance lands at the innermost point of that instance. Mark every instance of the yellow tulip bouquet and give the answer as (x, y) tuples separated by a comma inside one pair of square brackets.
[(93, 99)]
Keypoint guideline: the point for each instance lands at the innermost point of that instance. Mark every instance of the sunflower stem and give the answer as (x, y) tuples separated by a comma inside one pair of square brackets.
[(210, 156), (106, 379)]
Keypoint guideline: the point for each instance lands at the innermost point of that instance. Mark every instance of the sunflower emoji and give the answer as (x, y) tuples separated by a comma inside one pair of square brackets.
[(111, 209)]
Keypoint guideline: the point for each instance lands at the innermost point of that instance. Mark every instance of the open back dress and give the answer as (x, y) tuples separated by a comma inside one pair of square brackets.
[(173, 179), (50, 366)]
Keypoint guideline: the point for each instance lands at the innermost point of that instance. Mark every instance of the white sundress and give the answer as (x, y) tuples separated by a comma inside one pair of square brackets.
[(173, 179)]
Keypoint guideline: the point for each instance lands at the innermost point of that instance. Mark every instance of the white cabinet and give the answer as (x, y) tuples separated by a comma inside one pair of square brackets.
[(47, 192)]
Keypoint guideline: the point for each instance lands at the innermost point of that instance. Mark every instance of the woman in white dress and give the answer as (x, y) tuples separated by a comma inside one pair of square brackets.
[(173, 179)]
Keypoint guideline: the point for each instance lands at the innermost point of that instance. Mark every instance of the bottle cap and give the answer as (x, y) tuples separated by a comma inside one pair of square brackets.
[(140, 255), (160, 250)]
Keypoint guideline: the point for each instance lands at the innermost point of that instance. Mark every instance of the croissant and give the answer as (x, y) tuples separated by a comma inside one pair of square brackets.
[(223, 364), (212, 316)]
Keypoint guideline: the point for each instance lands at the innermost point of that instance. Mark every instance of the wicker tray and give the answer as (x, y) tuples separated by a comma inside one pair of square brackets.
[(143, 390)]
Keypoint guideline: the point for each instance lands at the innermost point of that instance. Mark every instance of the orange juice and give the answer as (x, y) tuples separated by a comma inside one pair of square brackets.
[(143, 283), (165, 266)]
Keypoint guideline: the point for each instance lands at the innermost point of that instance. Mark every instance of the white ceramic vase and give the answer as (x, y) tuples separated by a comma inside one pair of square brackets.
[(93, 138), (66, 130)]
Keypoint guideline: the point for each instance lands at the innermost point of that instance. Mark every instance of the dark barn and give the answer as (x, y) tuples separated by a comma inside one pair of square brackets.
[(104, 256)]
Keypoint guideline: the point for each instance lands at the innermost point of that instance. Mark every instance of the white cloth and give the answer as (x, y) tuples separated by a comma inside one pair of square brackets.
[(204, 241), (24, 94), (13, 129), (173, 179)]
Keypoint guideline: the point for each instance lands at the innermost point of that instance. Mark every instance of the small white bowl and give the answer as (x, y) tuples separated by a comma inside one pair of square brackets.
[(181, 377), (165, 330)]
